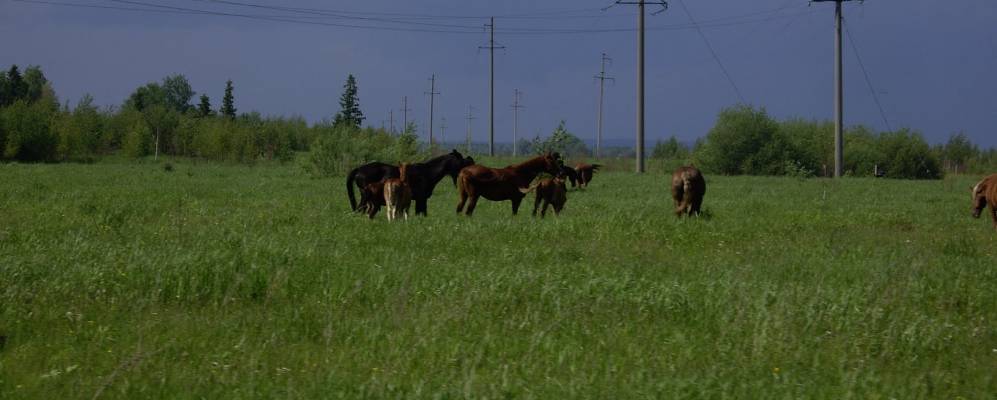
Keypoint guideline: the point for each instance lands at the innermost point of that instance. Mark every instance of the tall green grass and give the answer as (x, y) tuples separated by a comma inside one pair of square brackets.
[(215, 281)]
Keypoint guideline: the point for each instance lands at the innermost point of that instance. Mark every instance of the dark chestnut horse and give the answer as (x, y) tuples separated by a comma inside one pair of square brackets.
[(550, 192), (423, 178), (499, 184), (585, 172), (984, 194), (688, 189), (568, 173)]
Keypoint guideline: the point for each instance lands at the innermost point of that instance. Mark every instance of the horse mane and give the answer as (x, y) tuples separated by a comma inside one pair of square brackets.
[(439, 159), (530, 162)]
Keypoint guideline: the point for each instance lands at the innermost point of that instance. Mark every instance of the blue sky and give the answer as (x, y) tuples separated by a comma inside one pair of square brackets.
[(931, 63)]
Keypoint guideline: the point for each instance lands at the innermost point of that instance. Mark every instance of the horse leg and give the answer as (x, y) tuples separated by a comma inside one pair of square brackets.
[(421, 205), (697, 204), (993, 215), (536, 203), (471, 205), (372, 210), (543, 212), (463, 199), (515, 204)]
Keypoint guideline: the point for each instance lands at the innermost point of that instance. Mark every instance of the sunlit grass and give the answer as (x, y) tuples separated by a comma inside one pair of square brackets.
[(215, 281)]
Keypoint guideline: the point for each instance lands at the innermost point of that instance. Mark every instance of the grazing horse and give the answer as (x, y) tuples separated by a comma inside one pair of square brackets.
[(552, 192), (688, 188), (569, 173), (585, 172), (398, 194), (499, 184), (423, 178), (374, 195), (984, 194)]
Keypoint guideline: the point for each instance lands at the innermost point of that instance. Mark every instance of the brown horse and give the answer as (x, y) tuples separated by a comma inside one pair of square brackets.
[(984, 194), (688, 189), (585, 172), (499, 184), (552, 192), (373, 195), (398, 193)]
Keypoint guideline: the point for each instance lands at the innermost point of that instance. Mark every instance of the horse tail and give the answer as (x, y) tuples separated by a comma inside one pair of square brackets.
[(349, 188), (529, 189), (595, 167), (686, 191)]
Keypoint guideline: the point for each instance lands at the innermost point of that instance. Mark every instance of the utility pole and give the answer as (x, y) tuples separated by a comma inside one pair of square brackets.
[(432, 97), (443, 132), (491, 88), (467, 148), (602, 80), (839, 119), (515, 122), (640, 73), (391, 118), (405, 111)]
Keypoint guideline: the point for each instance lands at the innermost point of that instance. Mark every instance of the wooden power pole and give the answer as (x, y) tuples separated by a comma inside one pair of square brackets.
[(491, 88), (602, 80), (640, 74)]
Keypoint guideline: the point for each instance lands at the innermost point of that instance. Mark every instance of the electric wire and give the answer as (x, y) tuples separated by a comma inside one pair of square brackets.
[(713, 52), (865, 73)]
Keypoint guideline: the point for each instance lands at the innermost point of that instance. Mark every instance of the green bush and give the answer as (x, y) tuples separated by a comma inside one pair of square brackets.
[(28, 131)]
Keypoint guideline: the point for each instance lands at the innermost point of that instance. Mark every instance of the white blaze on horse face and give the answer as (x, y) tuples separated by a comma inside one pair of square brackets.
[(976, 189)]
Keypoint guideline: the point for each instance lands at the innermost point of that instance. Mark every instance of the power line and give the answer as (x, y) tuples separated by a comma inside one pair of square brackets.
[(441, 28), (282, 19), (713, 52), (865, 73)]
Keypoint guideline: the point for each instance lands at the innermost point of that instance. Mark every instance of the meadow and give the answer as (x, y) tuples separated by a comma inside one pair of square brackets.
[(125, 280)]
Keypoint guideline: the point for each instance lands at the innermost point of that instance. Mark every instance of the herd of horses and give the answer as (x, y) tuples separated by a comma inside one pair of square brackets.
[(395, 187)]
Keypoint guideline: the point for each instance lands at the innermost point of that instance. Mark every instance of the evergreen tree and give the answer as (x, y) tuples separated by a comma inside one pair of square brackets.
[(228, 102), (4, 99), (349, 104), (204, 108), (17, 89)]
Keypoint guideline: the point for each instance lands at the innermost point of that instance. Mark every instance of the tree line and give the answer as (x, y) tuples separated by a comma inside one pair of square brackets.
[(747, 141), (159, 118)]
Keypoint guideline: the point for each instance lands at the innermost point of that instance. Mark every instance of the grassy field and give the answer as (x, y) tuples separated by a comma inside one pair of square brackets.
[(214, 281)]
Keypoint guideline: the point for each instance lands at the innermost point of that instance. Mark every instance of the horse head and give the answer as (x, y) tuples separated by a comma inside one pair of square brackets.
[(454, 163), (979, 198), (552, 162)]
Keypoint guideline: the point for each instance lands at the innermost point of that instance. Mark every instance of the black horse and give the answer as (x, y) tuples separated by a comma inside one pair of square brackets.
[(423, 178)]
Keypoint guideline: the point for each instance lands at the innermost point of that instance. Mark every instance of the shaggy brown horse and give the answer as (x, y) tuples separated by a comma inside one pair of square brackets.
[(585, 172), (499, 184), (984, 194), (373, 194), (398, 193), (552, 192), (688, 188)]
